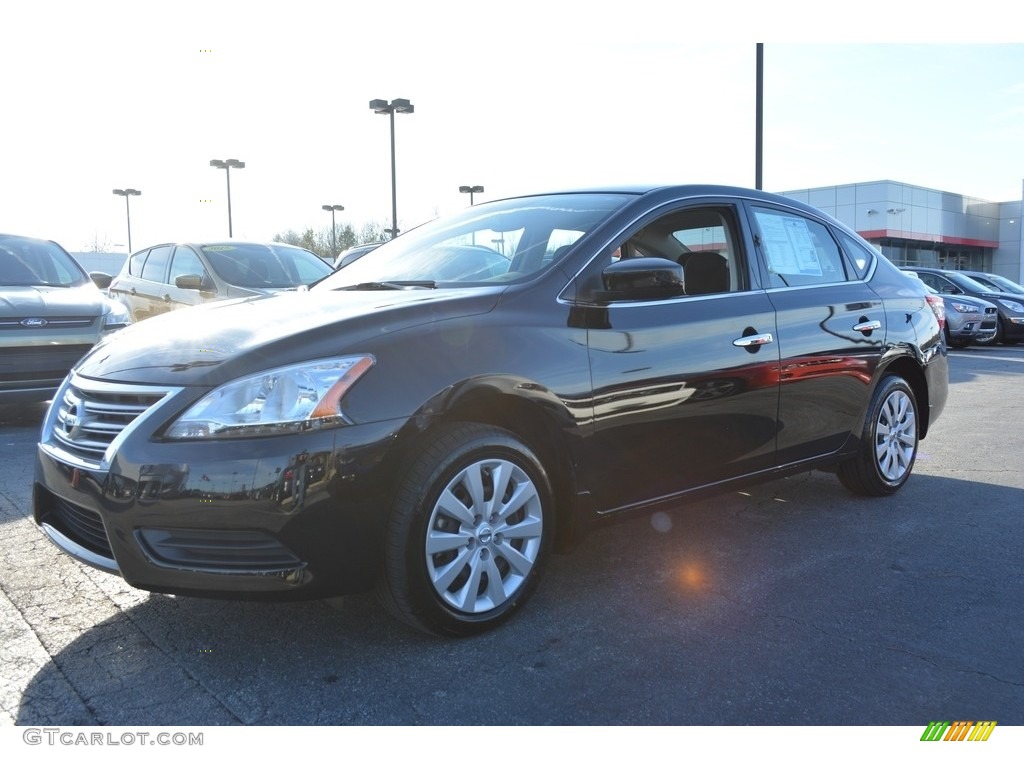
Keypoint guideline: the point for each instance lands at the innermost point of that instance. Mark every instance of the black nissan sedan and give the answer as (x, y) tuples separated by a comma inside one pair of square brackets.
[(433, 420)]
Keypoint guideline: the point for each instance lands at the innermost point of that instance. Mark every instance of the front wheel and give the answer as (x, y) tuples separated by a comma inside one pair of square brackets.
[(468, 532), (889, 441)]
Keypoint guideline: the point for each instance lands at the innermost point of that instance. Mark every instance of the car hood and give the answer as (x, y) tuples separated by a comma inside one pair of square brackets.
[(212, 343), (995, 296), (50, 301)]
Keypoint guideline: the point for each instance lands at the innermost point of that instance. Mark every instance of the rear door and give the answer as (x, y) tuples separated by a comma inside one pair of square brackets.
[(831, 330)]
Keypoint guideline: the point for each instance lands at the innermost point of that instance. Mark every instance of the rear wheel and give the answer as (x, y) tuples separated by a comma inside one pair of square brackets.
[(468, 533), (889, 441)]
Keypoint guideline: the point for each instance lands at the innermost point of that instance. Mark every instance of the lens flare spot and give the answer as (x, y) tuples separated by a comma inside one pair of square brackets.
[(692, 577), (661, 522)]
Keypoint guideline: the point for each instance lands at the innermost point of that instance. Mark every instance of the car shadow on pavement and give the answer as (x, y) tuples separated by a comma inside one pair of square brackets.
[(789, 603)]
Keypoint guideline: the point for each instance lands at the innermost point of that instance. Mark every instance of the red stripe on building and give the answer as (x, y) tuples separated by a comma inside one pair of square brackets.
[(874, 234)]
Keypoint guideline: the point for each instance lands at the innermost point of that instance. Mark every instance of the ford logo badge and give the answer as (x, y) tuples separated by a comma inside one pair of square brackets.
[(34, 322)]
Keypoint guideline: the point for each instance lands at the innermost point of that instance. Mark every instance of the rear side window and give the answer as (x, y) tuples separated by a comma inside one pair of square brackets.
[(156, 264), (859, 256), (797, 250), (135, 263)]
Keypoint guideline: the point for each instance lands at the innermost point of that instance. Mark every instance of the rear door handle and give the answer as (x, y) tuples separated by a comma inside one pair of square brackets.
[(757, 340), (867, 327)]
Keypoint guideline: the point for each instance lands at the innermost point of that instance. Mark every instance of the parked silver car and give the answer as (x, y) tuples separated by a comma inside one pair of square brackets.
[(969, 320), (174, 275), (51, 314)]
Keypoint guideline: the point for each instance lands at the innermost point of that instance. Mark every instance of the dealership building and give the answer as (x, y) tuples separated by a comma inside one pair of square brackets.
[(917, 226)]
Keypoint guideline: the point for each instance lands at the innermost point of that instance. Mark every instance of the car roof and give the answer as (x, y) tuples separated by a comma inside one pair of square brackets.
[(207, 244)]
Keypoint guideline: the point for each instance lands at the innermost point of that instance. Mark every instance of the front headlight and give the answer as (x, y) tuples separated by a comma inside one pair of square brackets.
[(1013, 306), (964, 309), (117, 316), (283, 400)]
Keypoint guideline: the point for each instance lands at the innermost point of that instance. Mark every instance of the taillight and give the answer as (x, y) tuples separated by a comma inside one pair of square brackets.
[(938, 307)]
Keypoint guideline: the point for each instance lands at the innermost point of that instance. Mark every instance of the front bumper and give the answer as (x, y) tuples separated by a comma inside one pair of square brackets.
[(286, 516)]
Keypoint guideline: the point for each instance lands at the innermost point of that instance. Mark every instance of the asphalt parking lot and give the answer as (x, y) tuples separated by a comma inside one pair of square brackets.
[(790, 603)]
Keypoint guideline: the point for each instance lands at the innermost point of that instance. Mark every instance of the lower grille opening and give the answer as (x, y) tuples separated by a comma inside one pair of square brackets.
[(217, 551), (81, 525)]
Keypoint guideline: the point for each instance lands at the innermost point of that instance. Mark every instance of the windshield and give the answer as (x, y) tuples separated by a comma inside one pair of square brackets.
[(968, 284), (253, 265), (25, 261), (1000, 283), (501, 241)]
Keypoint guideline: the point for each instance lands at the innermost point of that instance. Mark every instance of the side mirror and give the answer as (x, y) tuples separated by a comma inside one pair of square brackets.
[(101, 279), (189, 282), (640, 279)]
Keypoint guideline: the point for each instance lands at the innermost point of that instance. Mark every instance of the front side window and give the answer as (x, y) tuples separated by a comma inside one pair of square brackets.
[(186, 262), (797, 250), (702, 239)]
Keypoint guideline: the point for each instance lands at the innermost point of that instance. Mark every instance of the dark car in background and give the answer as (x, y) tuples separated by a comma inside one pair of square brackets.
[(170, 276), (436, 418), (51, 314), (1009, 306), (996, 282)]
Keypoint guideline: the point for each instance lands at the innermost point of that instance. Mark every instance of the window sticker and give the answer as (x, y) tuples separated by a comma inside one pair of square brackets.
[(788, 245), (218, 248)]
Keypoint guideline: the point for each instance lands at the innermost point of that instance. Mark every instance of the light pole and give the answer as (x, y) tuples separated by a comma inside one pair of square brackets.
[(126, 193), (334, 229), (382, 107), (227, 165), (471, 190)]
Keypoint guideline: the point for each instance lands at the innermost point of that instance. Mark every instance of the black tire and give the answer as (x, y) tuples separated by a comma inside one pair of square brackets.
[(452, 565), (888, 445)]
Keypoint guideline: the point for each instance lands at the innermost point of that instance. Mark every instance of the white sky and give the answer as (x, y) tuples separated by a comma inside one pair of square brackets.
[(517, 96)]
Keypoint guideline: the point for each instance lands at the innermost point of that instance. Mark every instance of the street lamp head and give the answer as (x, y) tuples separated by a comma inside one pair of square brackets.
[(126, 192), (230, 163), (382, 107), (476, 189), (333, 207)]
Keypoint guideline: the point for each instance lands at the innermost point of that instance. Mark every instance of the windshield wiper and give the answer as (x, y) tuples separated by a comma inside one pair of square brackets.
[(390, 285)]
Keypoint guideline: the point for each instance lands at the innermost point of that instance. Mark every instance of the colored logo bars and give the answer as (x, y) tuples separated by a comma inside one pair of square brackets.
[(961, 730)]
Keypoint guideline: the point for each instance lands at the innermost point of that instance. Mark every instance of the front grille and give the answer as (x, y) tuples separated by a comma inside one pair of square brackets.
[(217, 551), (90, 415), (51, 361), (79, 524), (989, 323), (34, 323)]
